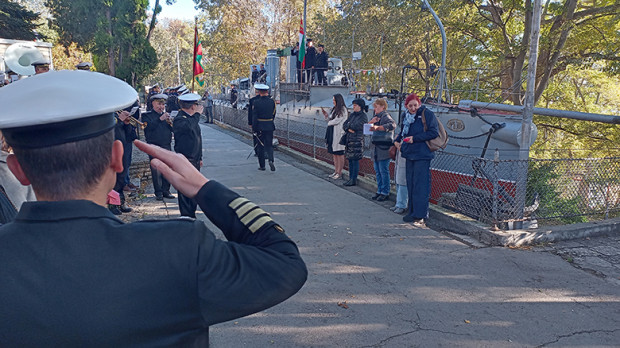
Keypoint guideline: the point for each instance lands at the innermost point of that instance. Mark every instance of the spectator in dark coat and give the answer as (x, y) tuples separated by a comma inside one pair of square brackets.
[(354, 148), (321, 65), (412, 144), (310, 61)]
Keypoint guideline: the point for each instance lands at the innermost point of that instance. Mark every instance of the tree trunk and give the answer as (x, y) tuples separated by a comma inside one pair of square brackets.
[(152, 25), (552, 55), (111, 65)]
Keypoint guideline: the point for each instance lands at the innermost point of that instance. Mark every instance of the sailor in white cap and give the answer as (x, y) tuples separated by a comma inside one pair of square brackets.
[(263, 113), (75, 275), (41, 66), (84, 66), (172, 102), (152, 91), (159, 132), (188, 142)]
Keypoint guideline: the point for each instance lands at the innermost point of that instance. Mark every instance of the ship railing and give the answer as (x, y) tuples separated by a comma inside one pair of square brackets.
[(558, 191)]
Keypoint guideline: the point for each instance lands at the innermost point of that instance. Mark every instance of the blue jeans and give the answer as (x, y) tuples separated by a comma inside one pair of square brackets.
[(354, 169), (382, 171), (419, 187), (401, 196)]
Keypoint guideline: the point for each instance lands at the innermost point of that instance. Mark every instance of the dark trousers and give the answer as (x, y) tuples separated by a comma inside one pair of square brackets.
[(321, 79), (120, 183), (309, 75), (160, 184), (266, 148), (209, 114), (187, 206), (418, 187), (300, 74), (127, 152)]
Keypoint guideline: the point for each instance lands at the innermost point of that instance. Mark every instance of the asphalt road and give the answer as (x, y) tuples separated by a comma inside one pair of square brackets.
[(375, 281)]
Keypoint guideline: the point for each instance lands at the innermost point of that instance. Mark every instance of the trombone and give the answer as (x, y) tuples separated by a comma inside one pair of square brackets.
[(134, 121)]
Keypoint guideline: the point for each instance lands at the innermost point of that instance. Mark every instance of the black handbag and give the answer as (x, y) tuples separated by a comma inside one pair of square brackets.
[(381, 138), (343, 139)]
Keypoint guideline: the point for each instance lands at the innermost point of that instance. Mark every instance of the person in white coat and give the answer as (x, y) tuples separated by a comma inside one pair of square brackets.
[(335, 119), (15, 191)]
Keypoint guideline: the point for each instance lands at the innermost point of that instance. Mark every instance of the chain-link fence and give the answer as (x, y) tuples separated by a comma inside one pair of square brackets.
[(559, 191)]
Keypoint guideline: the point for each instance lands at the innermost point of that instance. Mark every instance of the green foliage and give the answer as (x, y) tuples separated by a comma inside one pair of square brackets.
[(113, 30), (546, 181), (17, 22)]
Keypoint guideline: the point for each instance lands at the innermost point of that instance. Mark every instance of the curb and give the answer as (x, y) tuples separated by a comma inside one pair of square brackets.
[(447, 220)]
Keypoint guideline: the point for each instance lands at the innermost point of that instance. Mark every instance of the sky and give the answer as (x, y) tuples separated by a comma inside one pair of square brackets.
[(182, 9)]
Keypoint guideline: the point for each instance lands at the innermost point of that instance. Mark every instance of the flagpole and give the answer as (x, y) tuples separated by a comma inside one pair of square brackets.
[(195, 48)]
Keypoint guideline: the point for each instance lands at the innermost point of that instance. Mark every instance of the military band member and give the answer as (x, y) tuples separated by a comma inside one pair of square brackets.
[(158, 131), (124, 132), (84, 66), (263, 113), (172, 102), (80, 277), (188, 142), (153, 90), (41, 66)]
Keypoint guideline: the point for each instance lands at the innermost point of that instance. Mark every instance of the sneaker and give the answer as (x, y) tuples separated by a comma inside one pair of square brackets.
[(382, 198), (350, 183), (399, 210), (419, 223), (376, 196), (409, 218), (272, 166), (393, 208), (261, 168), (336, 177), (331, 176)]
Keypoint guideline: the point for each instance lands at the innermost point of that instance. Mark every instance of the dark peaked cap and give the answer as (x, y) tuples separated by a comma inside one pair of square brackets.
[(65, 110)]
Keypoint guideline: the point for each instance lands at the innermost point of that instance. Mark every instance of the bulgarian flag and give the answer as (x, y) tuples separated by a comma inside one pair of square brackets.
[(198, 58), (302, 45)]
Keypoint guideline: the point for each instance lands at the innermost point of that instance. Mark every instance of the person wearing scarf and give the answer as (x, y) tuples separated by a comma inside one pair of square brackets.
[(412, 144), (354, 148)]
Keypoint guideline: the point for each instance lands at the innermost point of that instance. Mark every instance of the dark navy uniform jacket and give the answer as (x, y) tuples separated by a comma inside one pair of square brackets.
[(157, 132), (187, 135), (263, 113), (73, 275), (172, 103), (250, 107)]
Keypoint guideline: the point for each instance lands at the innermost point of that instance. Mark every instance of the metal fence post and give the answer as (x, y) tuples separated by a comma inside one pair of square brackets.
[(288, 130), (495, 187), (314, 138)]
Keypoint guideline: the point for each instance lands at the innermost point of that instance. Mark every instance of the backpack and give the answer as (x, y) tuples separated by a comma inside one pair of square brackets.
[(442, 139)]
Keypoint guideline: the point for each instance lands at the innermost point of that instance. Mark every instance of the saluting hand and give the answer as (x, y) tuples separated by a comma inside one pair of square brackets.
[(175, 168)]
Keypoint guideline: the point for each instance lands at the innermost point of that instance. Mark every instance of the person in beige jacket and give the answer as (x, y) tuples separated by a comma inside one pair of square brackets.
[(335, 118)]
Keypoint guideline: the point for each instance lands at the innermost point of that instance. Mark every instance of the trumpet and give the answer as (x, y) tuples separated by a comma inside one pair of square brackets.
[(134, 121)]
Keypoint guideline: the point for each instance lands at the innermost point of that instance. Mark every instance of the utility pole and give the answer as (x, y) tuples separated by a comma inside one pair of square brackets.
[(528, 110), (178, 65)]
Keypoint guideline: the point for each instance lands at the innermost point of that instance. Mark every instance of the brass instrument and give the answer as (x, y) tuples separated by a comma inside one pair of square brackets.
[(134, 121)]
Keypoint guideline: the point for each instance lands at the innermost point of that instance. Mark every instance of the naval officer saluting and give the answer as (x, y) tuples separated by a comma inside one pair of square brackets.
[(188, 141), (263, 113), (158, 131), (73, 275)]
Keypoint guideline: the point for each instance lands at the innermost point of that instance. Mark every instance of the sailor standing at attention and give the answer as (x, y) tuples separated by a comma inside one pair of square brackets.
[(73, 275), (188, 142), (158, 131), (263, 113)]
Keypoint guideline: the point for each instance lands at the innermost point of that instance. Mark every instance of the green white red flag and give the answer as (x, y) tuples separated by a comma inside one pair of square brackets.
[(302, 45), (198, 69)]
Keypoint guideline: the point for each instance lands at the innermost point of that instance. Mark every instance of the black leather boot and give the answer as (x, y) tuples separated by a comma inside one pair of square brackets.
[(125, 208)]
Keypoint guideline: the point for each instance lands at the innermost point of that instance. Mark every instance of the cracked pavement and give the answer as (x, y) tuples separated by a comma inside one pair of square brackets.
[(404, 286)]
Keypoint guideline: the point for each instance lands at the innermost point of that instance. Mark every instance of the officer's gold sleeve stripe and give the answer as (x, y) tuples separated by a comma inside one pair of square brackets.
[(245, 208), (253, 215), (259, 223), (237, 202)]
